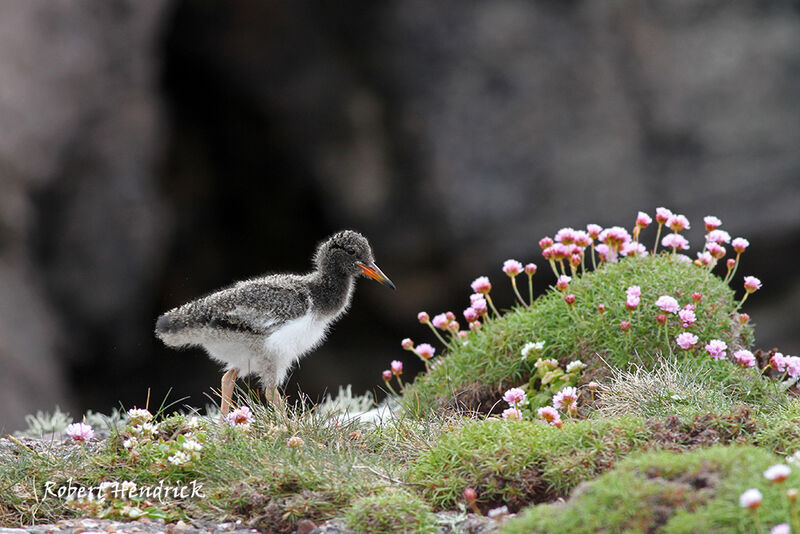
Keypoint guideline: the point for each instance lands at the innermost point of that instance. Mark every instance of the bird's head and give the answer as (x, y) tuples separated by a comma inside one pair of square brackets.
[(349, 252)]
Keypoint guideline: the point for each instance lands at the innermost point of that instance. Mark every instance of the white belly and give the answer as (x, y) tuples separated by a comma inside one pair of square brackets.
[(297, 337)]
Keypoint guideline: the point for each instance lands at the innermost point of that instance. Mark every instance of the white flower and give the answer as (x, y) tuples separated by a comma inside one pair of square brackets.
[(179, 458), (128, 443), (193, 422), (138, 416), (794, 458), (778, 472), (577, 366), (192, 445), (531, 345), (750, 499)]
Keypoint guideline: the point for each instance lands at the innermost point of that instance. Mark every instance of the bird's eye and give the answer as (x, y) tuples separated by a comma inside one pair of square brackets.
[(350, 251)]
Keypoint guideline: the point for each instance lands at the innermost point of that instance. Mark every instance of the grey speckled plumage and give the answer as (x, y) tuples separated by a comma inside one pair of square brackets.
[(264, 325)]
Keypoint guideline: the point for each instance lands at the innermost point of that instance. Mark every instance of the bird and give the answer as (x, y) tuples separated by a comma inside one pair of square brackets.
[(264, 325)]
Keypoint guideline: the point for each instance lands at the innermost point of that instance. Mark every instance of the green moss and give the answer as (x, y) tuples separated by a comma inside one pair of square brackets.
[(393, 511), (518, 462), (472, 375), (694, 491)]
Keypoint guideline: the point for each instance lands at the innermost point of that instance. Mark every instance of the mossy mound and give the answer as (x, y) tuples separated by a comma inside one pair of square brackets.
[(472, 375), (669, 492), (515, 463), (394, 511)]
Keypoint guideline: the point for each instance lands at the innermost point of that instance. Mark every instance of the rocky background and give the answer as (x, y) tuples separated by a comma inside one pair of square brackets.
[(154, 151)]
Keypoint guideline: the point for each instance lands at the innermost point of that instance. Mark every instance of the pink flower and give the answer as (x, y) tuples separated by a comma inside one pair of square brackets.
[(582, 239), (566, 398), (241, 416), (530, 269), (462, 334), (750, 499), (778, 361), (475, 325), (614, 236), (476, 296), (624, 325), (512, 268), (407, 344), (743, 318), (675, 242), (569, 298), (662, 215), (550, 415), (515, 397), (678, 223), (423, 317), (454, 326), (711, 222), (635, 291), (397, 367), (718, 236), (441, 322), (593, 230), (481, 285), (512, 414), (632, 302), (744, 358), (716, 349), (643, 220), (716, 250), (387, 375), (602, 251), (661, 319), (751, 284), (480, 306), (601, 308), (782, 528), (565, 235), (80, 432), (667, 304), (740, 244), (792, 366), (686, 340), (730, 264), (697, 297), (563, 282), (470, 315), (778, 473), (687, 316), (633, 249), (545, 242), (704, 259), (425, 351)]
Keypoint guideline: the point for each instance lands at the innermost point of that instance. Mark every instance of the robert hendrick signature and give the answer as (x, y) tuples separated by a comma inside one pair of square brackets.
[(123, 491)]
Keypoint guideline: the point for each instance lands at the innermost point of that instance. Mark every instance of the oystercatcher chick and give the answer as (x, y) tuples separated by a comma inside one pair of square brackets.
[(264, 325)]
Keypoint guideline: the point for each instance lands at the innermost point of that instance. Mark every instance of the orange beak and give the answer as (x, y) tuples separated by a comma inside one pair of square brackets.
[(375, 273)]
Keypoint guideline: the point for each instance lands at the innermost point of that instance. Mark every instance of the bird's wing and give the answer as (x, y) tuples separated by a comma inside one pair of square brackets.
[(255, 307)]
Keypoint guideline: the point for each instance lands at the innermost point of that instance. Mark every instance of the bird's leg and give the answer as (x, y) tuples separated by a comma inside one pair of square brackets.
[(228, 381)]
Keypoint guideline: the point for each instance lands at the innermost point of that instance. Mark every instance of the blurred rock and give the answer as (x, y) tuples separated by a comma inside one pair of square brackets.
[(81, 222)]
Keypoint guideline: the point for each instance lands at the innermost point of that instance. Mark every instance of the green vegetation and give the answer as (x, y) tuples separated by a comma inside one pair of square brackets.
[(391, 512), (670, 492), (472, 375)]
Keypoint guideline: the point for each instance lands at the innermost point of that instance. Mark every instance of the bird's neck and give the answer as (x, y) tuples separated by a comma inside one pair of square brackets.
[(331, 291)]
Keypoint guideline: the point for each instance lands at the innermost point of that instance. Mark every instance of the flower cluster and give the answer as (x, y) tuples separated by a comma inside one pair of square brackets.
[(752, 498), (175, 441)]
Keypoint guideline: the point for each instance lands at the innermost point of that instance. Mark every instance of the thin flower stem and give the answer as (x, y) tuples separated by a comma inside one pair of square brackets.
[(658, 235), (553, 266), (594, 261), (516, 291), (795, 518), (491, 304), (744, 298), (530, 289), (400, 381), (666, 335), (388, 385), (735, 266), (435, 331)]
